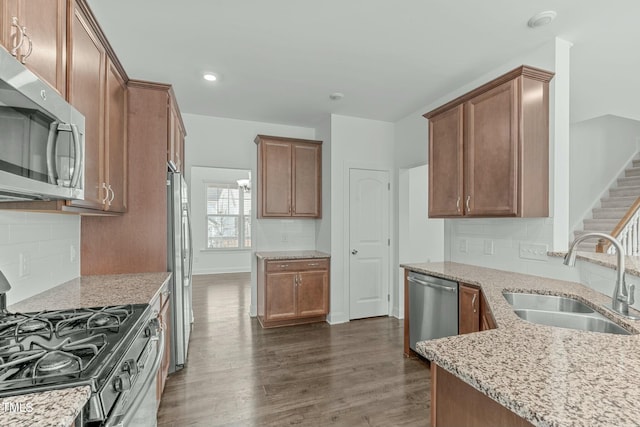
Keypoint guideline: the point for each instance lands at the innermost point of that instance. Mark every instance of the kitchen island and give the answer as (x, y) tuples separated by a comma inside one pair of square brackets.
[(60, 407), (548, 376)]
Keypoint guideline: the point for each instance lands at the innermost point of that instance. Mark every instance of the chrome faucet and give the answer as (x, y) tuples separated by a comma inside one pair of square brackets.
[(623, 295)]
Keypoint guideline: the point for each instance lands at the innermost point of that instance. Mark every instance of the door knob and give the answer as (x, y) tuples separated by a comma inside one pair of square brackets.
[(355, 251)]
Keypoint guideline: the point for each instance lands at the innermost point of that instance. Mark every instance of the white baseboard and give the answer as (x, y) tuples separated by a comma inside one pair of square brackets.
[(337, 318), (221, 270)]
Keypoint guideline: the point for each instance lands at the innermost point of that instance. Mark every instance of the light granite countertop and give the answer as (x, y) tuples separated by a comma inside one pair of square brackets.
[(96, 291), (275, 255), (549, 376), (61, 407), (631, 263), (55, 408)]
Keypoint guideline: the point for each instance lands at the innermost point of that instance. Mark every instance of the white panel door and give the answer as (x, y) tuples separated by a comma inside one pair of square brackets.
[(368, 243)]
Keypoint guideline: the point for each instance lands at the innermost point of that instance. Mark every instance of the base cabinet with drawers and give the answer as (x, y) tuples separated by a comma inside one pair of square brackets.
[(292, 291)]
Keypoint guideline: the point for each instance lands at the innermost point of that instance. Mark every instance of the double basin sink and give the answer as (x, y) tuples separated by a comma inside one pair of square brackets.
[(563, 312)]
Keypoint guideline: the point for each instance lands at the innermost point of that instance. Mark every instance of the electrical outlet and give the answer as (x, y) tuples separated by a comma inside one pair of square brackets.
[(489, 247), (535, 251), (464, 247), (25, 265)]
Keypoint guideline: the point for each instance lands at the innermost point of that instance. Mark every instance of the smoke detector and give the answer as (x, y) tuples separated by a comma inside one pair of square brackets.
[(541, 19)]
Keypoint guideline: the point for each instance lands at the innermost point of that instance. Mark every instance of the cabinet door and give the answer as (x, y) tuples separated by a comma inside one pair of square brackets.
[(280, 296), (307, 179), (445, 164), (491, 152), (486, 318), (313, 293), (86, 93), (275, 179), (468, 310), (116, 140), (46, 27)]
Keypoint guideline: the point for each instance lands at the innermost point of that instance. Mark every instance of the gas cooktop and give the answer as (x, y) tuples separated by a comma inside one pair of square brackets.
[(47, 350)]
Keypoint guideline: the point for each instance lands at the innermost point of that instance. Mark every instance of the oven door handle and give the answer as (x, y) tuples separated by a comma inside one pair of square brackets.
[(125, 419)]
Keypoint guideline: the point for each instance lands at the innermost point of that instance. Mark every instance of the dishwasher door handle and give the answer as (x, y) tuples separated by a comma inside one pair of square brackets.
[(432, 285)]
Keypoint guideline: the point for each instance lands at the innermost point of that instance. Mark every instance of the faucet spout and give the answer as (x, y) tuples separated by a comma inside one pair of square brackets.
[(622, 295)]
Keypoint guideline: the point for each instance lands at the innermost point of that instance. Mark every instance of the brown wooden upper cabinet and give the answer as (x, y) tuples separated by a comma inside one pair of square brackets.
[(289, 177), (489, 149), (35, 32), (176, 132), (97, 89)]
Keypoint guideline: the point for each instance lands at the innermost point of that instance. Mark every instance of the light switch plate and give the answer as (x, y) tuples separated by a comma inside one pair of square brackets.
[(535, 251)]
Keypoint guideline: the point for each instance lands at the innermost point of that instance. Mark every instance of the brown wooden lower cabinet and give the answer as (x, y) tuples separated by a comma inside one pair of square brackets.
[(292, 291), (454, 403), (473, 310)]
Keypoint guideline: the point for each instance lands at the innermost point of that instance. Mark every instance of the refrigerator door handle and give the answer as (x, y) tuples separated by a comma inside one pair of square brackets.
[(188, 218)]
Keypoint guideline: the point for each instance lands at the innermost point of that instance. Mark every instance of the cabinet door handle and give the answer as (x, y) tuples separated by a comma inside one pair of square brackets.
[(30, 49), (113, 195), (468, 200), (284, 265), (18, 45), (458, 204), (473, 302), (313, 264), (106, 193), (299, 280)]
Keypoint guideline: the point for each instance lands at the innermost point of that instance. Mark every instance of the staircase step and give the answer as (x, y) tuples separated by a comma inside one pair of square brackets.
[(586, 247), (609, 213), (634, 171), (632, 190), (603, 225), (617, 202), (591, 240), (629, 181)]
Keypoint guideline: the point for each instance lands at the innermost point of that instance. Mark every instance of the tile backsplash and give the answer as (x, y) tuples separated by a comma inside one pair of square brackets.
[(38, 251)]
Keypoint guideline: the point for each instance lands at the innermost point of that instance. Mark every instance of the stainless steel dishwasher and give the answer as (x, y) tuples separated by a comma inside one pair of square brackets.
[(433, 308)]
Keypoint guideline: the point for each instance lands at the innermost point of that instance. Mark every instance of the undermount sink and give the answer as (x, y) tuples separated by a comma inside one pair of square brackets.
[(561, 312), (546, 302)]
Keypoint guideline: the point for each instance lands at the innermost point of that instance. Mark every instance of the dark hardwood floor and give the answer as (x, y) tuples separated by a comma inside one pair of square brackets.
[(238, 374)]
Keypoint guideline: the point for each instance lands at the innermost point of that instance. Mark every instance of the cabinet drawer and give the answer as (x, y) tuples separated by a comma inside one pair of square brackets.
[(297, 265)]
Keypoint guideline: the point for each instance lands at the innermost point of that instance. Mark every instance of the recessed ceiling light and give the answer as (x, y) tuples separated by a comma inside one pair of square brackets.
[(541, 19), (210, 77), (336, 96)]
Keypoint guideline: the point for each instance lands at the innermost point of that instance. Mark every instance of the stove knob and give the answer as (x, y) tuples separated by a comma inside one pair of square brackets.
[(130, 367), (122, 383), (147, 332)]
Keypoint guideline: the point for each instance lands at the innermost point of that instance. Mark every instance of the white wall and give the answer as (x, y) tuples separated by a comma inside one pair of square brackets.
[(507, 234), (51, 245), (420, 239), (355, 143), (228, 143), (323, 225), (213, 261), (601, 149)]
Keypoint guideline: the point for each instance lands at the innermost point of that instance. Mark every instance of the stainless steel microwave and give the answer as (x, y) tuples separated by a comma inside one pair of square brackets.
[(41, 138)]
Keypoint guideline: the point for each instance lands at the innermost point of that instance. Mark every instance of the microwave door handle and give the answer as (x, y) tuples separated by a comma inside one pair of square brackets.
[(77, 169), (51, 164)]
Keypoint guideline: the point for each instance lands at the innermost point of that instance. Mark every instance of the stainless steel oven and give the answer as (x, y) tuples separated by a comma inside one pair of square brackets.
[(42, 138)]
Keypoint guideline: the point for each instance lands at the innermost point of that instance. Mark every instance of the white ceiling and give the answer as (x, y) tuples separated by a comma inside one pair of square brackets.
[(280, 59)]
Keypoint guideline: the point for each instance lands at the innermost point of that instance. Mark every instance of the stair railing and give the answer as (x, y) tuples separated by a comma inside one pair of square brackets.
[(627, 232)]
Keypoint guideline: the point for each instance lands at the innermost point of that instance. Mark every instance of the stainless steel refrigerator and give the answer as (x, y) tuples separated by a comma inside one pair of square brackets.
[(180, 263)]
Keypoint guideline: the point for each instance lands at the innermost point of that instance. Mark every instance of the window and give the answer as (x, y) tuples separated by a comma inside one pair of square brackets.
[(228, 217)]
